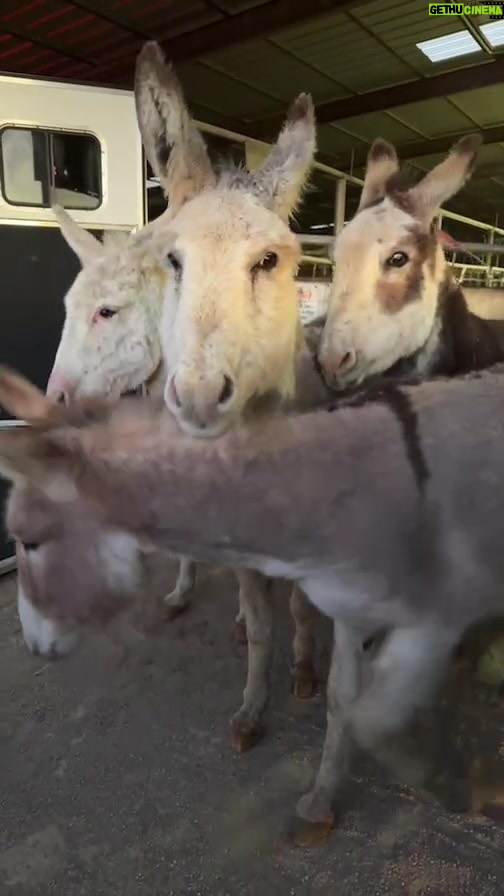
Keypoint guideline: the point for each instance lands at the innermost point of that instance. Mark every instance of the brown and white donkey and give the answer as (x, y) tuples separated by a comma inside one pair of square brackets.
[(395, 307)]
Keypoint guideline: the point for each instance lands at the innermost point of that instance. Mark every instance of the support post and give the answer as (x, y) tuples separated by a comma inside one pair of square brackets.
[(489, 258), (339, 205)]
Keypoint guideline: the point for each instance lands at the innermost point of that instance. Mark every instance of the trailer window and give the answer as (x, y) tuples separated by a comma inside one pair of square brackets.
[(41, 167)]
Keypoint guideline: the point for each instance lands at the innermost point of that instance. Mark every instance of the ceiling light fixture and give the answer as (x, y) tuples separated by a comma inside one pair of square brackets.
[(459, 43), (494, 33)]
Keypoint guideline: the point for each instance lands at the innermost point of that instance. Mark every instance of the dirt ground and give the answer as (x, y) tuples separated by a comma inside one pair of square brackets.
[(117, 778)]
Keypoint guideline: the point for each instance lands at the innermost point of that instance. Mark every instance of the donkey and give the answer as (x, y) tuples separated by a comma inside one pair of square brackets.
[(266, 330), (382, 529), (230, 328), (395, 307), (109, 346)]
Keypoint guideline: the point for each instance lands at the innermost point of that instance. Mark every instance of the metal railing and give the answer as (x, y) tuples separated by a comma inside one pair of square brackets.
[(337, 174)]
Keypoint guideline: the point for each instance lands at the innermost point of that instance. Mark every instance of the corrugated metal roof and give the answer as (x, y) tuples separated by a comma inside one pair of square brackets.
[(367, 47)]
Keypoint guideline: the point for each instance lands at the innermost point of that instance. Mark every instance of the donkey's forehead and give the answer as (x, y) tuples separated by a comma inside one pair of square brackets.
[(383, 222), (115, 276), (229, 215)]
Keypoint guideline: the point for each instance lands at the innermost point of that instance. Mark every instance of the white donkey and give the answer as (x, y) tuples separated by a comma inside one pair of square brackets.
[(109, 346)]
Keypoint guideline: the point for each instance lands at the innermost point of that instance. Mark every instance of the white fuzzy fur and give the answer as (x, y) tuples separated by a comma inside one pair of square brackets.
[(41, 634)]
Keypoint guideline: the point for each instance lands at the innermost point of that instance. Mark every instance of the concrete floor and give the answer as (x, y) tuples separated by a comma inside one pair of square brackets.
[(117, 778)]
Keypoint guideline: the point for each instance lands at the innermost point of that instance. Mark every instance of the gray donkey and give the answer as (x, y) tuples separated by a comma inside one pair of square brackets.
[(383, 529)]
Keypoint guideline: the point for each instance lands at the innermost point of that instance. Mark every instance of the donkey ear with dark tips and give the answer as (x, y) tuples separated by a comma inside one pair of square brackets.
[(22, 399), (382, 163), (24, 455), (173, 143), (447, 178), (281, 179)]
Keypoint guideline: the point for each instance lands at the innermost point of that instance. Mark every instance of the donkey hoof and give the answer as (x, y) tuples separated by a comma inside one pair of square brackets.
[(244, 739), (303, 682), (173, 611), (303, 688), (302, 832), (240, 632)]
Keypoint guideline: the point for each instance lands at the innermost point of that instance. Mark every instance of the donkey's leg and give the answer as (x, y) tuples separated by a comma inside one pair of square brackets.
[(246, 725), (315, 812), (303, 677), (178, 600), (240, 626), (405, 674)]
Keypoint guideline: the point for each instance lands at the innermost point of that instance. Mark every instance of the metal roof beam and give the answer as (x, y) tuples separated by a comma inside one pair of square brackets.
[(28, 37), (492, 170), (254, 23), (415, 150), (448, 84), (260, 21), (115, 18)]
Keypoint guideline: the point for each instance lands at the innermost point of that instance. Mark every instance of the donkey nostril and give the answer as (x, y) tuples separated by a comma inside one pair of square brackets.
[(227, 390), (347, 361), (61, 398), (173, 393)]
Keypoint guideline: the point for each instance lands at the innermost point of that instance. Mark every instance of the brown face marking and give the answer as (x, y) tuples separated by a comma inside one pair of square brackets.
[(396, 288)]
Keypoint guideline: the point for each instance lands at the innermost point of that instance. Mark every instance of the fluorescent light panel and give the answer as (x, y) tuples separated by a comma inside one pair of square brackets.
[(460, 43), (494, 33)]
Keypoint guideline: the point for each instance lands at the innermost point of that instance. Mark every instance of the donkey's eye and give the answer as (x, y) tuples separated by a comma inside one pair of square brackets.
[(397, 260), (267, 262), (107, 312), (175, 262)]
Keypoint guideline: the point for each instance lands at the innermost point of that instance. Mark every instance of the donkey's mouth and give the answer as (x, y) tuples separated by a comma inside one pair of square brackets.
[(137, 391)]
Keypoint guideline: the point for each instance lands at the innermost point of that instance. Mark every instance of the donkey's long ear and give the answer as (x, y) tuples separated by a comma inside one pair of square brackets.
[(84, 244), (172, 142), (382, 162), (280, 180), (19, 454), (29, 457), (445, 179), (22, 399)]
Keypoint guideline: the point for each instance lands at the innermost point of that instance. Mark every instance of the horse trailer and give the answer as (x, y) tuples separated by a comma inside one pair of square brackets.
[(69, 144)]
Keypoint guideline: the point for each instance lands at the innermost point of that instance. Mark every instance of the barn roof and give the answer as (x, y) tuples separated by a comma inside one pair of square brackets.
[(242, 61)]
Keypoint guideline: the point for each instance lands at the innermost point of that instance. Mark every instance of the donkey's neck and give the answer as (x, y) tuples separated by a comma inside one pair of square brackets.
[(459, 341), (156, 382), (193, 492), (350, 471), (308, 392)]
